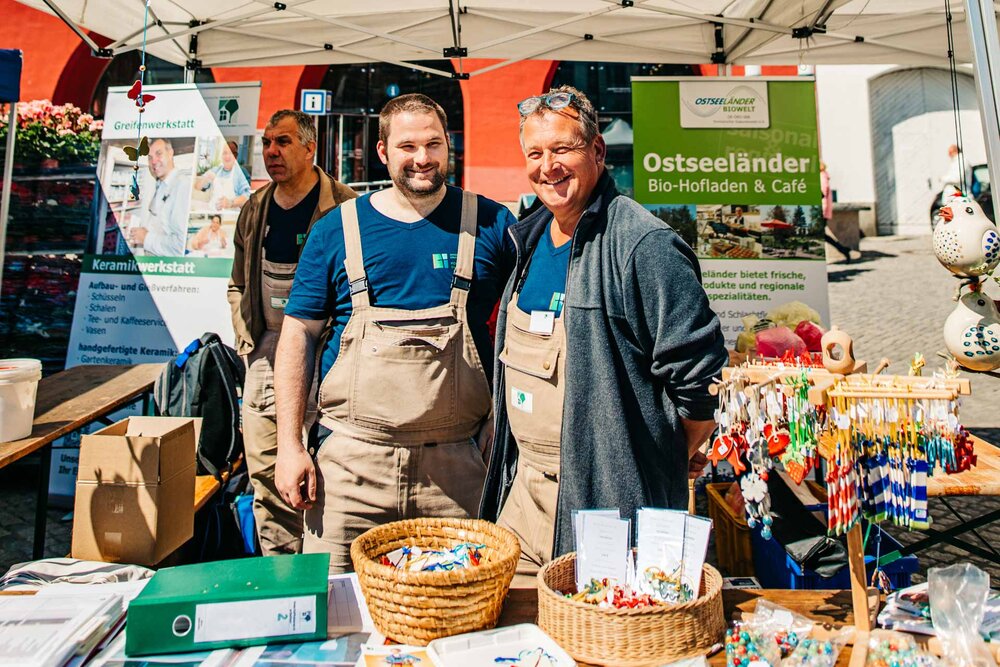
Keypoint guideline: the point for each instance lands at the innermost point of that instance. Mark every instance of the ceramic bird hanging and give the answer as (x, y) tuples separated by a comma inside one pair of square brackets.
[(972, 332), (966, 242)]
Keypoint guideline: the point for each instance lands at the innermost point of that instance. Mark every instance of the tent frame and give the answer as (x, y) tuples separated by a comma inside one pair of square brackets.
[(986, 69), (979, 16)]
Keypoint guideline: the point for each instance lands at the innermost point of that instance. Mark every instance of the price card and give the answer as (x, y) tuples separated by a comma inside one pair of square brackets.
[(604, 549)]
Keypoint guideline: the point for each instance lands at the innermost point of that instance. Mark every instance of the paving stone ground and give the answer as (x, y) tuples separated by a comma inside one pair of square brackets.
[(893, 301)]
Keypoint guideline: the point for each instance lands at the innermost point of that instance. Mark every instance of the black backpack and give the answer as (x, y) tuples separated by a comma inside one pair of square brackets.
[(206, 380)]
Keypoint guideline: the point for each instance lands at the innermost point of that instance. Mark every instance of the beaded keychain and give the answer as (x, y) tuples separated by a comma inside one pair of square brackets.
[(799, 456), (889, 434), (731, 416), (141, 99)]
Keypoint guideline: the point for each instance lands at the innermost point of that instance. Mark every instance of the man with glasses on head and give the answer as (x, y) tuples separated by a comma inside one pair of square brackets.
[(408, 278), (606, 346), (270, 234)]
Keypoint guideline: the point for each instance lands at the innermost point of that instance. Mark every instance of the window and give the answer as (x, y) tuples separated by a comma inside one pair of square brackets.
[(359, 93)]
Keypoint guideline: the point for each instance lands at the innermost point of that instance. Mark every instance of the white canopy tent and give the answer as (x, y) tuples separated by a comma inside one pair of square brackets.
[(269, 32), (279, 32)]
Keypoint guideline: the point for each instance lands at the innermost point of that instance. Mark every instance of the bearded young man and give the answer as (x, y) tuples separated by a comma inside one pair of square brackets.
[(407, 278)]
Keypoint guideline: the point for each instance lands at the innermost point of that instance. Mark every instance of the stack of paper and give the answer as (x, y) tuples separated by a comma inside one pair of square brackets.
[(48, 630)]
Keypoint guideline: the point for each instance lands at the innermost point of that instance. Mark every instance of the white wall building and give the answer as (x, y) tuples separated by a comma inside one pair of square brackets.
[(884, 135)]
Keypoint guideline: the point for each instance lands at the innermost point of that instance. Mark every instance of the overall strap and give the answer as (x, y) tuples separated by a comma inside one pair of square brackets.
[(354, 262), (465, 264)]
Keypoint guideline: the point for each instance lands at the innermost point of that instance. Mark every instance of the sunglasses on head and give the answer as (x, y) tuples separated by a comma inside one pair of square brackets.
[(554, 101)]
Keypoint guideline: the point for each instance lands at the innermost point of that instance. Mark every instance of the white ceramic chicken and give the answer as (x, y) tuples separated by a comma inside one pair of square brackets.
[(966, 242), (972, 332)]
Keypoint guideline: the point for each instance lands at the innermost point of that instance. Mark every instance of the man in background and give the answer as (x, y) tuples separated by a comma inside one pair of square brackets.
[(270, 234), (163, 230)]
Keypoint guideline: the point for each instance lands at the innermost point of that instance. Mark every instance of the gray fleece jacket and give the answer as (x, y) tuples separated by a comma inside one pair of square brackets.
[(642, 348)]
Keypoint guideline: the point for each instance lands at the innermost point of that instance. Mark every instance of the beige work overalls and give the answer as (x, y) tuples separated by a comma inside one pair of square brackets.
[(279, 527), (534, 382), (404, 401)]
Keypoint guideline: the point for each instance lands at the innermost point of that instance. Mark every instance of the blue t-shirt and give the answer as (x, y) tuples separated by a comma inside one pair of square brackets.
[(545, 285), (409, 265)]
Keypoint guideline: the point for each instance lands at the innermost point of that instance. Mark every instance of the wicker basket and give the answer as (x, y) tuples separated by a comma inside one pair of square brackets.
[(628, 637), (417, 607)]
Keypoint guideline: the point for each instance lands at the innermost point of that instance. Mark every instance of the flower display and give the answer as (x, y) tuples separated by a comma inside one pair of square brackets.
[(47, 131)]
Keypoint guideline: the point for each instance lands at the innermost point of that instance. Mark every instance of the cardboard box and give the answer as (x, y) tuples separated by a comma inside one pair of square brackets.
[(135, 490), (241, 602)]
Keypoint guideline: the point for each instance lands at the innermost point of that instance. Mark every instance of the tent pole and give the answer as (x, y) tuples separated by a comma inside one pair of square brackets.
[(985, 45), (8, 174)]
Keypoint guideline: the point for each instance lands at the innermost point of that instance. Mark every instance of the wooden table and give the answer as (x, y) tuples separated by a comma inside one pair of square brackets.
[(832, 608), (982, 480), (66, 402)]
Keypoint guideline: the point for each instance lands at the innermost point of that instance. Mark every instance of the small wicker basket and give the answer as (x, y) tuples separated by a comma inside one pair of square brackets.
[(417, 607), (628, 637)]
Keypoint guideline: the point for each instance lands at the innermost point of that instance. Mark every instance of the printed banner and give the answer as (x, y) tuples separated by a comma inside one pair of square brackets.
[(164, 258), (745, 197)]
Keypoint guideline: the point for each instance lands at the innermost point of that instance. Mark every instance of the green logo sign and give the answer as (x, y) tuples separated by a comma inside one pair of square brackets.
[(556, 303), (228, 106), (443, 260)]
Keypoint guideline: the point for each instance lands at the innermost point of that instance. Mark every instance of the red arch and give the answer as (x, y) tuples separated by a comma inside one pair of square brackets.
[(81, 75)]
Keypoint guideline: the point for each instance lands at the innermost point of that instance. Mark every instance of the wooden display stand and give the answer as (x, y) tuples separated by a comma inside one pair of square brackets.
[(844, 377)]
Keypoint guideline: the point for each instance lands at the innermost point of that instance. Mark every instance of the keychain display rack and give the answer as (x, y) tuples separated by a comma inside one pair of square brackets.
[(880, 437)]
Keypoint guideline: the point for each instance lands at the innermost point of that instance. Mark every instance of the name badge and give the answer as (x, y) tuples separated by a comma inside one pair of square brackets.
[(278, 303), (521, 400), (542, 322)]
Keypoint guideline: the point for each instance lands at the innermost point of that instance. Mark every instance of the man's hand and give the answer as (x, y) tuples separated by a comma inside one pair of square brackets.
[(138, 235), (225, 203), (295, 477), (696, 465)]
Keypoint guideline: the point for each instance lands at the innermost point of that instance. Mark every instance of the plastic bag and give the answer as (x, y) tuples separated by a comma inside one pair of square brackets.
[(786, 628), (958, 597), (767, 635), (818, 652), (777, 341), (746, 641), (886, 647)]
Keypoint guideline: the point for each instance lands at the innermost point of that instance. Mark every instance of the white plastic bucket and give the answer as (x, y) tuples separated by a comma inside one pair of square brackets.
[(18, 385)]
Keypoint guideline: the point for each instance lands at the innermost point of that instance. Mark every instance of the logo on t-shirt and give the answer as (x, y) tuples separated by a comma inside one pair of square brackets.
[(300, 239), (556, 304), (444, 260)]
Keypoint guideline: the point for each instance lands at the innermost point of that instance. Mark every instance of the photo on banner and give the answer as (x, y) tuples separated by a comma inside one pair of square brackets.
[(164, 254), (732, 165)]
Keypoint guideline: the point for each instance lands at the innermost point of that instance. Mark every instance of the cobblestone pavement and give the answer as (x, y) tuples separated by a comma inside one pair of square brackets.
[(893, 301)]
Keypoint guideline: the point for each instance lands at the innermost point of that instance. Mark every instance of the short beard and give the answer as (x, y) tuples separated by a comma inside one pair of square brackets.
[(400, 181)]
